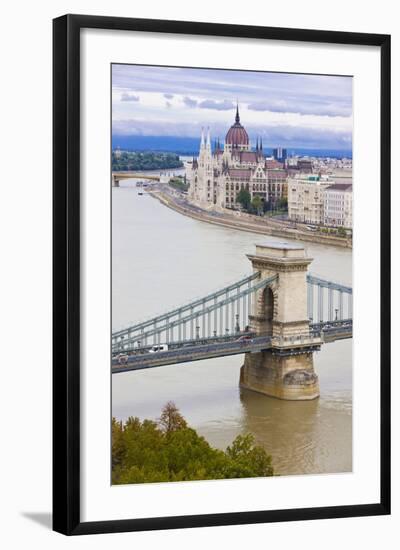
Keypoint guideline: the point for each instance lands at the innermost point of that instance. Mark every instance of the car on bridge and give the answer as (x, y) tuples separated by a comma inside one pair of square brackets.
[(245, 338), (159, 347)]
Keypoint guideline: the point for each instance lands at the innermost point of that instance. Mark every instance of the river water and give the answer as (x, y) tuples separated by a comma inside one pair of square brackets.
[(161, 259)]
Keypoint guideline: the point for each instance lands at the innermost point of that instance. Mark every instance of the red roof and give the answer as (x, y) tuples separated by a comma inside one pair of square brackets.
[(247, 156), (277, 173), (269, 163), (242, 173), (340, 187), (237, 135)]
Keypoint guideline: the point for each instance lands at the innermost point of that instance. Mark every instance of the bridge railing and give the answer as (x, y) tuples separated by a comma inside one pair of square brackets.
[(175, 344), (328, 301), (298, 339)]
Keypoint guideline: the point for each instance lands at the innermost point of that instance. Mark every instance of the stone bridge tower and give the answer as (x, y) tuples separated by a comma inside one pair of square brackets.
[(280, 310)]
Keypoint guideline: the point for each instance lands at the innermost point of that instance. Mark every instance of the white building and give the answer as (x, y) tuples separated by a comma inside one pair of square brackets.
[(338, 205), (306, 198)]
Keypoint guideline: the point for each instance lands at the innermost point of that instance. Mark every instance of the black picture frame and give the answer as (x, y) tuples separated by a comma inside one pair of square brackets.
[(66, 273)]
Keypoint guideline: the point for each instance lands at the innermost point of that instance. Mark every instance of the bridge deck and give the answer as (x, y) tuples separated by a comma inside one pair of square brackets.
[(191, 353), (184, 352), (334, 330), (196, 352)]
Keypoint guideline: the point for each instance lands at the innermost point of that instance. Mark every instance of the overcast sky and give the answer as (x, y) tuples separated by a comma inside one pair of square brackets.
[(284, 109)]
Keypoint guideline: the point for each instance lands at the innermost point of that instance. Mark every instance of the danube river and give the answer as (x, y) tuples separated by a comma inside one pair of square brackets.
[(161, 259)]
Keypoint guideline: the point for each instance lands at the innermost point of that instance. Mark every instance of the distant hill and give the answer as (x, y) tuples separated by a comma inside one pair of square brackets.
[(190, 146), (144, 160)]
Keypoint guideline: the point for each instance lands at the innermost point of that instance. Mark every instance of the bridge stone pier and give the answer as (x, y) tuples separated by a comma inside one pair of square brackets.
[(285, 371)]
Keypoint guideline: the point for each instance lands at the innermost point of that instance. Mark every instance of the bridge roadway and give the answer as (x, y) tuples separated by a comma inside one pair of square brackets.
[(334, 330), (191, 353), (182, 352)]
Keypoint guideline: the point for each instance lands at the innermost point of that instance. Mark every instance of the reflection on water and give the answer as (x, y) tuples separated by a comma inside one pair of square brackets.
[(160, 259), (302, 436)]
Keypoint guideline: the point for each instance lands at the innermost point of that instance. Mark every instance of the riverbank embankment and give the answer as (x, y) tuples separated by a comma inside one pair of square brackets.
[(262, 226)]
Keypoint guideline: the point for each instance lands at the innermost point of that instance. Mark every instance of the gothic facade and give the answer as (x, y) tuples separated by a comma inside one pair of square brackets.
[(216, 176)]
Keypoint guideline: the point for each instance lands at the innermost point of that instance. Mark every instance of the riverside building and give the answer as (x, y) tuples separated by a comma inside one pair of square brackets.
[(217, 176), (319, 200), (306, 198), (338, 205)]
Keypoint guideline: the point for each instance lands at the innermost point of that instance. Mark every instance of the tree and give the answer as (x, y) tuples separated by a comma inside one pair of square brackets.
[(249, 457), (144, 160), (257, 203), (342, 232), (169, 450), (118, 443), (179, 183), (282, 203), (244, 198), (171, 419), (266, 206)]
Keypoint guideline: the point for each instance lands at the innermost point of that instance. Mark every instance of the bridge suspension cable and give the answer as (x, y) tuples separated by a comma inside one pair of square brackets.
[(222, 313), (186, 307)]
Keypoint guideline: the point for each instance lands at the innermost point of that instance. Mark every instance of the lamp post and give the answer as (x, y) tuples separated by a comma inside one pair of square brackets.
[(237, 327)]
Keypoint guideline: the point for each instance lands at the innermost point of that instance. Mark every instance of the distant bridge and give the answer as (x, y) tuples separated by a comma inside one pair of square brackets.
[(119, 176), (278, 316), (163, 176)]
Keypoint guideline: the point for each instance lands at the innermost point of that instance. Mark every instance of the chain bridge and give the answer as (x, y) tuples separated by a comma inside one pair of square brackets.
[(278, 316)]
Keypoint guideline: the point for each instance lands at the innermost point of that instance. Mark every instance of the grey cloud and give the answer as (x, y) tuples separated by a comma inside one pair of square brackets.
[(297, 136), (303, 107), (302, 93), (224, 105), (129, 97), (168, 104), (189, 102), (284, 135), (169, 96)]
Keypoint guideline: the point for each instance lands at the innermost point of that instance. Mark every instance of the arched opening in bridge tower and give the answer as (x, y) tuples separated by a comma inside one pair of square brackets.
[(268, 307)]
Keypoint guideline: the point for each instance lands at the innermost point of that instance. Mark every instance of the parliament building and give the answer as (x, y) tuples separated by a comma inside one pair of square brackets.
[(218, 174)]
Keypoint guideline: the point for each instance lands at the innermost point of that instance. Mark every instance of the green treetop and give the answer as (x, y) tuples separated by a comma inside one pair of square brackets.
[(169, 450), (243, 198), (257, 203)]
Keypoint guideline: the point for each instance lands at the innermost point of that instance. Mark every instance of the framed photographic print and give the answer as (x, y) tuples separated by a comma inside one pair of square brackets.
[(221, 274)]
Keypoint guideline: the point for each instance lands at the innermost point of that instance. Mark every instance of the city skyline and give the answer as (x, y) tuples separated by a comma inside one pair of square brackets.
[(297, 111)]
